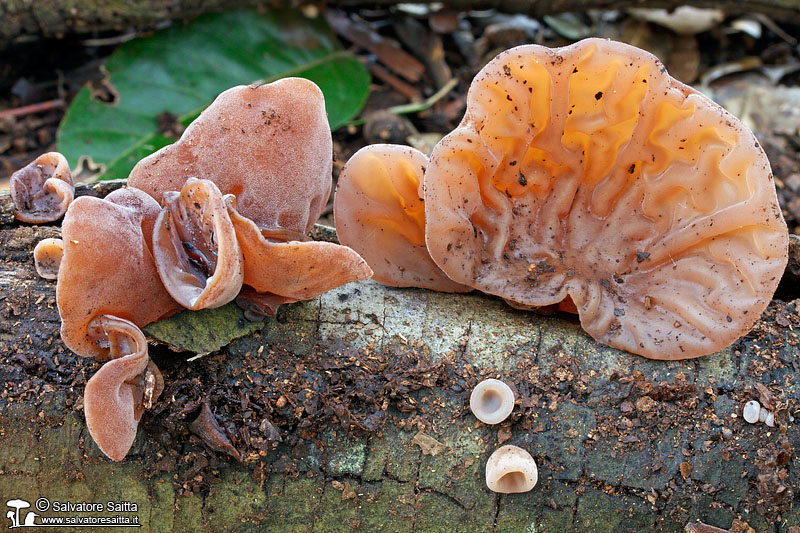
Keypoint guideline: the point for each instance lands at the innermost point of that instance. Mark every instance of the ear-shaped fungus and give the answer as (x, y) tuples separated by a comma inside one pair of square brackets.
[(283, 272), (107, 267), (587, 172), (195, 247), (42, 190), (47, 257), (117, 395), (380, 213), (270, 145)]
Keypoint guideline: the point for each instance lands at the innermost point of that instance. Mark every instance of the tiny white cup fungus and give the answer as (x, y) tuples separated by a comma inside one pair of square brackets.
[(511, 469), (491, 401), (751, 411)]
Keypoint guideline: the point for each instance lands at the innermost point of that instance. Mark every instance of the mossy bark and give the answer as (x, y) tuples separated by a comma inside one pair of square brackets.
[(60, 17), (623, 443)]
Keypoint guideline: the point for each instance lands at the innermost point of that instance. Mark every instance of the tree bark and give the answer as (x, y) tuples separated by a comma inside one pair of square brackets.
[(57, 18), (622, 443)]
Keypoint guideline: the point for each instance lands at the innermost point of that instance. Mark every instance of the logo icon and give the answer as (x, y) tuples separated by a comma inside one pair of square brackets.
[(17, 505)]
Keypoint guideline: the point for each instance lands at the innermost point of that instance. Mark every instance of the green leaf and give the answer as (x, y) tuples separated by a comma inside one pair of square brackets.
[(203, 331), (180, 70)]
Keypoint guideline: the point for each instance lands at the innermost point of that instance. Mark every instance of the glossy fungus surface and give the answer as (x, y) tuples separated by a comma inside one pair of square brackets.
[(117, 395), (291, 270), (269, 145), (42, 190), (587, 172), (107, 267), (380, 213), (195, 247)]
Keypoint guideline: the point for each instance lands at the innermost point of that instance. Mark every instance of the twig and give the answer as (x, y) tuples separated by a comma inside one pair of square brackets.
[(406, 89), (415, 107), (110, 41), (33, 108)]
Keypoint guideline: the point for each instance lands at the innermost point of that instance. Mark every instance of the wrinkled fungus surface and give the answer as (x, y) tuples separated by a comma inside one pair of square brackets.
[(195, 247), (269, 145), (47, 257), (42, 190), (587, 172), (107, 267), (380, 213), (117, 395), (293, 270)]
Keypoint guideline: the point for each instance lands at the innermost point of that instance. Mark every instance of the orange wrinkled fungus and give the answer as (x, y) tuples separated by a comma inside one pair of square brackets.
[(42, 190), (587, 172), (293, 270), (107, 267), (380, 213), (117, 395), (195, 247), (269, 145), (47, 257)]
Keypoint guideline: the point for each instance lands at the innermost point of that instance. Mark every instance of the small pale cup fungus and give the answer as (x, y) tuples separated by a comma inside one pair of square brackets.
[(751, 411), (47, 257), (491, 401), (511, 469)]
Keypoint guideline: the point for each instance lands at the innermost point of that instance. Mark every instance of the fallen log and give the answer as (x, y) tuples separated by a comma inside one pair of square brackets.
[(350, 412), (53, 18)]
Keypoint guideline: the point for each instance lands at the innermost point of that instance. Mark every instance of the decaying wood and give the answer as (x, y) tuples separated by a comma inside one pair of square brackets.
[(327, 403), (57, 18)]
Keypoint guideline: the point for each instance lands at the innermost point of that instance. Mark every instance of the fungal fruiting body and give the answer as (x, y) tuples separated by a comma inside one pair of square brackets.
[(751, 411), (47, 257), (108, 268), (767, 417), (511, 469), (42, 190), (269, 145), (118, 393), (380, 213), (283, 268), (491, 401), (587, 172), (195, 247)]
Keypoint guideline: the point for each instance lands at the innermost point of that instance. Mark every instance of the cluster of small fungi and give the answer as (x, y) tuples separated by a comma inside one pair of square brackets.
[(583, 179), (510, 469), (221, 215)]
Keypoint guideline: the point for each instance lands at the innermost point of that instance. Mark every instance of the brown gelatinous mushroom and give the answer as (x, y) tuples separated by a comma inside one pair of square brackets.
[(108, 268), (42, 190), (195, 247), (47, 257), (285, 270), (380, 213), (586, 172), (269, 145), (117, 395)]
